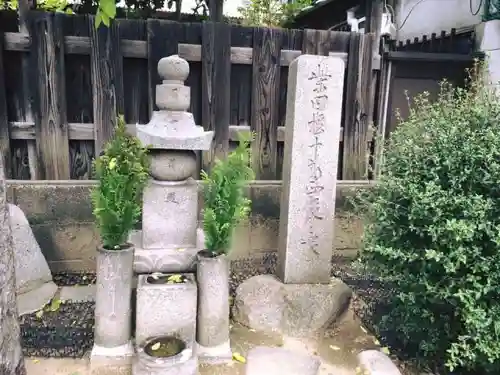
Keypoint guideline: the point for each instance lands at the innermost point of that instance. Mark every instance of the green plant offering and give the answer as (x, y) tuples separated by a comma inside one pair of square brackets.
[(122, 171), (225, 204), (433, 228)]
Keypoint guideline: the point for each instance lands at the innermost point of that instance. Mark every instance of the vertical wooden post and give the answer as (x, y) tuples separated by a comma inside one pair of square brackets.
[(215, 83), (4, 120), (265, 101), (106, 63), (51, 125)]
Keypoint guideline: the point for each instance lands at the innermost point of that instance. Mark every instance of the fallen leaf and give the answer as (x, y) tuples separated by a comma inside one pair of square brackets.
[(84, 277), (155, 346), (252, 330), (363, 329), (55, 305), (359, 371), (334, 347), (36, 360), (376, 342), (175, 278), (239, 358), (39, 314), (385, 350), (181, 250)]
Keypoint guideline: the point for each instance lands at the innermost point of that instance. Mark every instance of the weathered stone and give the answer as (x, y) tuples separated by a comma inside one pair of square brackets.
[(113, 297), (166, 310), (111, 361), (34, 286), (374, 362), (313, 119), (78, 293), (184, 363), (169, 215), (181, 259), (278, 361), (265, 304), (213, 309), (172, 165)]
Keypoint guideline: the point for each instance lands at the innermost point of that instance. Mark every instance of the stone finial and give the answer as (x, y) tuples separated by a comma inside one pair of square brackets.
[(172, 94), (173, 68)]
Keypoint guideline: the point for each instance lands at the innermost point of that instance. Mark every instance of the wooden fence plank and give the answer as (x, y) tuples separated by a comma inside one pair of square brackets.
[(107, 80), (49, 104), (265, 101), (4, 120), (352, 160), (163, 39), (216, 76)]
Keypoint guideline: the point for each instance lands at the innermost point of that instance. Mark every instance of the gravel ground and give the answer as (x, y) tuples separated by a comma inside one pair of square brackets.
[(67, 332), (70, 279)]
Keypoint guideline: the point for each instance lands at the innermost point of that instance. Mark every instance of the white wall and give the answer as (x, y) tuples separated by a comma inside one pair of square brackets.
[(433, 16)]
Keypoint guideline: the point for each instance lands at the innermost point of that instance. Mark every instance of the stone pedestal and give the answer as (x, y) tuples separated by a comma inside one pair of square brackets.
[(166, 309)]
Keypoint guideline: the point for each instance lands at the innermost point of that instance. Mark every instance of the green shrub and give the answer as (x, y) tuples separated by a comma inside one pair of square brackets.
[(433, 228), (225, 204), (122, 171)]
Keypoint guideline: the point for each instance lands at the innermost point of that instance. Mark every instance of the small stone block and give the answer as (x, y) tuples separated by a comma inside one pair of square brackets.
[(35, 299), (215, 355), (78, 293), (278, 361), (375, 362), (166, 309)]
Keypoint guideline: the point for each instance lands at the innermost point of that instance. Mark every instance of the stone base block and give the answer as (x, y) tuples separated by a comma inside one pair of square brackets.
[(215, 355), (278, 361), (165, 260), (112, 361), (166, 309), (265, 304)]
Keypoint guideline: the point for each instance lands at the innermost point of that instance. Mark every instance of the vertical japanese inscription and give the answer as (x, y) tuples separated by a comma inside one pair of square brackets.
[(316, 127)]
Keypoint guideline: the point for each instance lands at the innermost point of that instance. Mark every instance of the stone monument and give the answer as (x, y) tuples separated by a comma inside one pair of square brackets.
[(170, 239), (306, 300)]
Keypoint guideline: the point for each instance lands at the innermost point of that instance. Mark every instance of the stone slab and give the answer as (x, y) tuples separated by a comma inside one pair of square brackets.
[(169, 214), (169, 260), (116, 360), (215, 355), (375, 362), (78, 293), (32, 270), (278, 361), (265, 304), (35, 299), (166, 310), (313, 122)]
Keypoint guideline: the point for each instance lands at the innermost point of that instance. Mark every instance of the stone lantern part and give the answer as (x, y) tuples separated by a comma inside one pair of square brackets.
[(170, 237)]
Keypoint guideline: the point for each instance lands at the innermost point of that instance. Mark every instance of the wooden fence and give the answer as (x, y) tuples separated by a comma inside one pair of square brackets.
[(62, 84)]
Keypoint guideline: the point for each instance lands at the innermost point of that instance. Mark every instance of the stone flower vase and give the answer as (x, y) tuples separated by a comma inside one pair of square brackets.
[(165, 355), (113, 297), (212, 333)]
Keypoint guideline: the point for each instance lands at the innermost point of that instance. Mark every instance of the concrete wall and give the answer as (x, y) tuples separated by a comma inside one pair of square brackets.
[(60, 214), (433, 16)]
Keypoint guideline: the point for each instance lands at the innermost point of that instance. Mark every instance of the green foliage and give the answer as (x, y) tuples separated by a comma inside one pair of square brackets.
[(106, 11), (271, 13), (47, 5), (122, 171), (433, 228), (225, 204)]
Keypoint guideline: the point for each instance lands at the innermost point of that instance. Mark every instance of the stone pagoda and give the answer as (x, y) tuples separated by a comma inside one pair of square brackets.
[(170, 237)]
